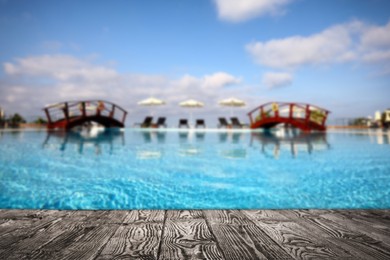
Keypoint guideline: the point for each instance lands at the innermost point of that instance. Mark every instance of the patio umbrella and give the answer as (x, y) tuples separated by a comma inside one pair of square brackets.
[(151, 102), (232, 102), (191, 104)]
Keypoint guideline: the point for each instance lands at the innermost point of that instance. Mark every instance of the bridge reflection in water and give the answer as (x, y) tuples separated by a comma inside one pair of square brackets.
[(230, 144), (274, 144), (155, 144), (97, 140)]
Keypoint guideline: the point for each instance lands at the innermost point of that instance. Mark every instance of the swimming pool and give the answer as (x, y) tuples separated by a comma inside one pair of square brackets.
[(171, 169)]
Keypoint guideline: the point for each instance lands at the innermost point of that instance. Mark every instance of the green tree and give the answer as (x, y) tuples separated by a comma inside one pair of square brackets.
[(40, 120), (15, 120), (360, 121)]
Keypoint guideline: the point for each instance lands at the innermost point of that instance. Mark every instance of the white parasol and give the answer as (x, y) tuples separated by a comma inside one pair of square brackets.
[(151, 102), (232, 102), (191, 103)]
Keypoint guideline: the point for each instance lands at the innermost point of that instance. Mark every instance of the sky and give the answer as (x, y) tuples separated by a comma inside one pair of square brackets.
[(331, 53)]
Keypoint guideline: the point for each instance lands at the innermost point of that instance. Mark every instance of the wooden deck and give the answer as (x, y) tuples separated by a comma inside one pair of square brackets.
[(195, 234)]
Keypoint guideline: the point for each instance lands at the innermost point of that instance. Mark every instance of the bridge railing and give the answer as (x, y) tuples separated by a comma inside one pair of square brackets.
[(297, 111), (74, 109)]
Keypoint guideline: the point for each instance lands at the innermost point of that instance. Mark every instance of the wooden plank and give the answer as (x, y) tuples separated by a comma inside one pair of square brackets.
[(137, 237), (88, 245), (22, 224), (15, 214), (226, 217), (138, 240), (380, 218), (300, 243), (31, 215), (65, 236), (240, 238), (19, 228), (135, 216), (357, 244), (184, 214), (100, 216), (188, 239), (221, 234), (12, 227), (368, 227), (265, 215), (76, 234), (23, 240), (80, 215), (236, 243), (44, 241)]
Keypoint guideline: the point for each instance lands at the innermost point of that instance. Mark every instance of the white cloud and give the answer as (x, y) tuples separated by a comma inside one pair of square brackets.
[(377, 56), (60, 67), (375, 46), (331, 45), (376, 37), (219, 79), (56, 78), (187, 81), (351, 42), (240, 10), (277, 79), (210, 82)]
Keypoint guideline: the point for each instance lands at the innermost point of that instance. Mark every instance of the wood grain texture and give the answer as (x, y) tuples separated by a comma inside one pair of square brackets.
[(239, 237), (372, 216), (102, 216), (138, 240), (22, 240), (366, 226), (65, 237), (227, 217), (89, 245), (274, 215), (359, 245), (300, 243), (184, 214), (195, 234), (135, 216), (188, 239)]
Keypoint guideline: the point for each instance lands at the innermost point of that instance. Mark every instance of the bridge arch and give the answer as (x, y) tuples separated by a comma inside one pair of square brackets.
[(69, 114), (300, 115)]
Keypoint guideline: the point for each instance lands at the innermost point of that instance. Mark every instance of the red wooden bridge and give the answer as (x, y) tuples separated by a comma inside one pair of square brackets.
[(67, 115), (303, 116)]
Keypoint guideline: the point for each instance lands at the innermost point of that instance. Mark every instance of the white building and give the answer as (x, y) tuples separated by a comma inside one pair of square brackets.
[(378, 116), (387, 115)]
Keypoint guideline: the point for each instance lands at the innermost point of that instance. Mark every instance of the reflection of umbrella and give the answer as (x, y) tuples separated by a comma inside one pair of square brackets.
[(232, 102), (234, 154), (191, 104), (148, 154), (151, 102)]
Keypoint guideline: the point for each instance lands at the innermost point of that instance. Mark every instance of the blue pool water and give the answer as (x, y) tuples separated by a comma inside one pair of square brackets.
[(136, 169)]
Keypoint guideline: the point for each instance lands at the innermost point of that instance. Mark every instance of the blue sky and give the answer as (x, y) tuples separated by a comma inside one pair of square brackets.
[(335, 54)]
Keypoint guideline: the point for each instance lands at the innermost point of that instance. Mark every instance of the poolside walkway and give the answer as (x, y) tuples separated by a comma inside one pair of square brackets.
[(195, 234)]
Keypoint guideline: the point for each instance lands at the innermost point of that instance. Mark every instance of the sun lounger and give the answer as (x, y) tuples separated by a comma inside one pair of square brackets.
[(200, 122), (236, 123), (160, 122), (223, 122), (183, 122), (146, 123)]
